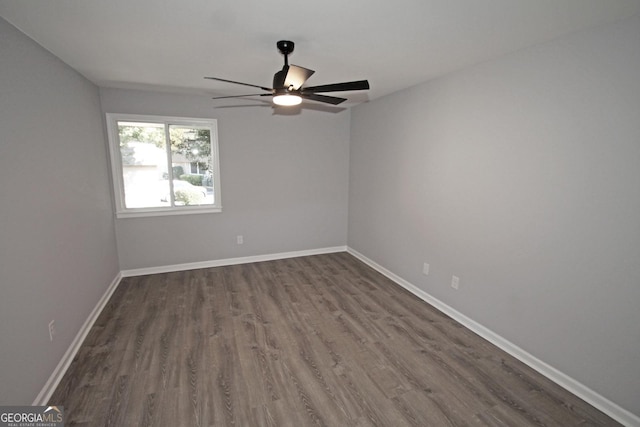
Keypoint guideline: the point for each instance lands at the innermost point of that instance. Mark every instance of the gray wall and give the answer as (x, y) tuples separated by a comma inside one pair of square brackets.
[(522, 177), (57, 239), (284, 183)]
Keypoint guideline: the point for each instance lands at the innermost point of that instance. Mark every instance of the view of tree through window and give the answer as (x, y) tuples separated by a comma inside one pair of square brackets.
[(166, 165)]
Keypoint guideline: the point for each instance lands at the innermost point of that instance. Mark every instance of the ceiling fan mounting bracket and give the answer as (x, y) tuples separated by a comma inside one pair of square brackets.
[(285, 47)]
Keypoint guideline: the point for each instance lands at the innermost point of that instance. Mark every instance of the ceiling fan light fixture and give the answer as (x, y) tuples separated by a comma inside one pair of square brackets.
[(287, 100)]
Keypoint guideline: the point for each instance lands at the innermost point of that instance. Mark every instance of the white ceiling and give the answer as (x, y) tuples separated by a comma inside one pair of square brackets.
[(172, 44)]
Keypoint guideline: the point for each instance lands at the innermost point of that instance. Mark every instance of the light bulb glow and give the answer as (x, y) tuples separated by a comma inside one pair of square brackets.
[(287, 100)]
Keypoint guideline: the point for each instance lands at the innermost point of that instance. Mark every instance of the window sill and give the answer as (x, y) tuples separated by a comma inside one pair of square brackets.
[(139, 213)]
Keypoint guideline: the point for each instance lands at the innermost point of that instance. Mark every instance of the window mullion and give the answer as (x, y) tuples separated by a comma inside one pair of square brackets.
[(167, 144)]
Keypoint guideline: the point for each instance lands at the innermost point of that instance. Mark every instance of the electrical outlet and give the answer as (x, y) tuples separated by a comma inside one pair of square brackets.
[(240, 239), (455, 282), (52, 329), (425, 269)]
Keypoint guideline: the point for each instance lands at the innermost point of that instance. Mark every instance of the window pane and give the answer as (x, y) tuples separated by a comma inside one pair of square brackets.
[(192, 164), (144, 164)]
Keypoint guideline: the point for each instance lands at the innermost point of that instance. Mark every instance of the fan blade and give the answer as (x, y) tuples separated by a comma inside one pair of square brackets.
[(242, 96), (338, 87), (239, 83), (323, 98), (291, 76), (280, 77), (296, 76)]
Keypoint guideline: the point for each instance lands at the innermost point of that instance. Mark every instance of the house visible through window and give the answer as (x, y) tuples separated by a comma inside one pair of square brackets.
[(164, 165)]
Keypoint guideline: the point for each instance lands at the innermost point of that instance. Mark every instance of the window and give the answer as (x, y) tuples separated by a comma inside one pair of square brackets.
[(164, 165)]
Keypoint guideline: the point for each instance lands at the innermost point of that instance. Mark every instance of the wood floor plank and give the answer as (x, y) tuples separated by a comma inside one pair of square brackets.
[(318, 340)]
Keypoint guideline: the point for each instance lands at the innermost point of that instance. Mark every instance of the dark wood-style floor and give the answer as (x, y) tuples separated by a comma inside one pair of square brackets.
[(319, 340)]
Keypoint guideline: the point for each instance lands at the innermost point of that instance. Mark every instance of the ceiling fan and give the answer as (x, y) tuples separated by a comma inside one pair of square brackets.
[(287, 84)]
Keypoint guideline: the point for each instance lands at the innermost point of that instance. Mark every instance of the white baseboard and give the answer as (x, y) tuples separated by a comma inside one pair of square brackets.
[(229, 261), (596, 400), (50, 386)]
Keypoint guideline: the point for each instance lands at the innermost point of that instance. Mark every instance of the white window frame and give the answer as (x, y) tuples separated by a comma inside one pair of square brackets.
[(117, 172)]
